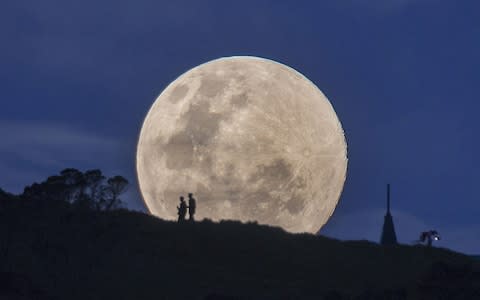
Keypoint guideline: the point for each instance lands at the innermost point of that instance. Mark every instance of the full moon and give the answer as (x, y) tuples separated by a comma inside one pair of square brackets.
[(251, 138)]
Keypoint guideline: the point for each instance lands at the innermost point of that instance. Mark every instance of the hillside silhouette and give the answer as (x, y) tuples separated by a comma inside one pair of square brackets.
[(70, 253)]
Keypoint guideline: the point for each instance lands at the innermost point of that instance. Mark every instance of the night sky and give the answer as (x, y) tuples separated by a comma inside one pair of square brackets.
[(78, 77)]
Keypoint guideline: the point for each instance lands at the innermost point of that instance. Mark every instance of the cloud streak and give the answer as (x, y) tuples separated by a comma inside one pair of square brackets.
[(46, 148)]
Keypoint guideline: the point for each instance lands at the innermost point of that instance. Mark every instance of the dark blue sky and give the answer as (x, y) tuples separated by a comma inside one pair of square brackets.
[(78, 77)]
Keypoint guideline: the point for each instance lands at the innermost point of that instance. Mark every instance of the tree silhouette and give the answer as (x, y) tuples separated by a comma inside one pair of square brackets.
[(116, 186), (94, 180), (82, 191), (75, 184), (51, 193)]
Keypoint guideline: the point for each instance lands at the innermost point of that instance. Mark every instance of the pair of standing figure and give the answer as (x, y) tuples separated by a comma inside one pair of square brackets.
[(182, 209)]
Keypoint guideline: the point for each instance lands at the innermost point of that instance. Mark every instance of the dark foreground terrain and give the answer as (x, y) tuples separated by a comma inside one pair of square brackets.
[(61, 253)]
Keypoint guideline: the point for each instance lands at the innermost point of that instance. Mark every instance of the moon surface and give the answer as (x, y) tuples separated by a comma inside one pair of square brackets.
[(253, 139)]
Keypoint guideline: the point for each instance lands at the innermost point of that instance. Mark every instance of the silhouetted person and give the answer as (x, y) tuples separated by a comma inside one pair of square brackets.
[(192, 206), (429, 237), (182, 210)]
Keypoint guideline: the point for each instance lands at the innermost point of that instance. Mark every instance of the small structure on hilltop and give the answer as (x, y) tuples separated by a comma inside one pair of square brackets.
[(388, 231)]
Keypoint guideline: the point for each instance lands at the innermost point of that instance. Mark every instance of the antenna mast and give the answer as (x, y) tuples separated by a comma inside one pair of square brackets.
[(388, 198)]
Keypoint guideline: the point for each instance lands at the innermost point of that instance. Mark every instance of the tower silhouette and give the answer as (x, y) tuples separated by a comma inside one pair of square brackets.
[(388, 231)]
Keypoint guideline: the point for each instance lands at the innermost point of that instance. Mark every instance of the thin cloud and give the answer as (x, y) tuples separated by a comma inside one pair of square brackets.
[(51, 142), (29, 149)]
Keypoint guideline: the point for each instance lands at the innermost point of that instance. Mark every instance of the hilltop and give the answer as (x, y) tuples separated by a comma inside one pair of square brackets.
[(70, 254)]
